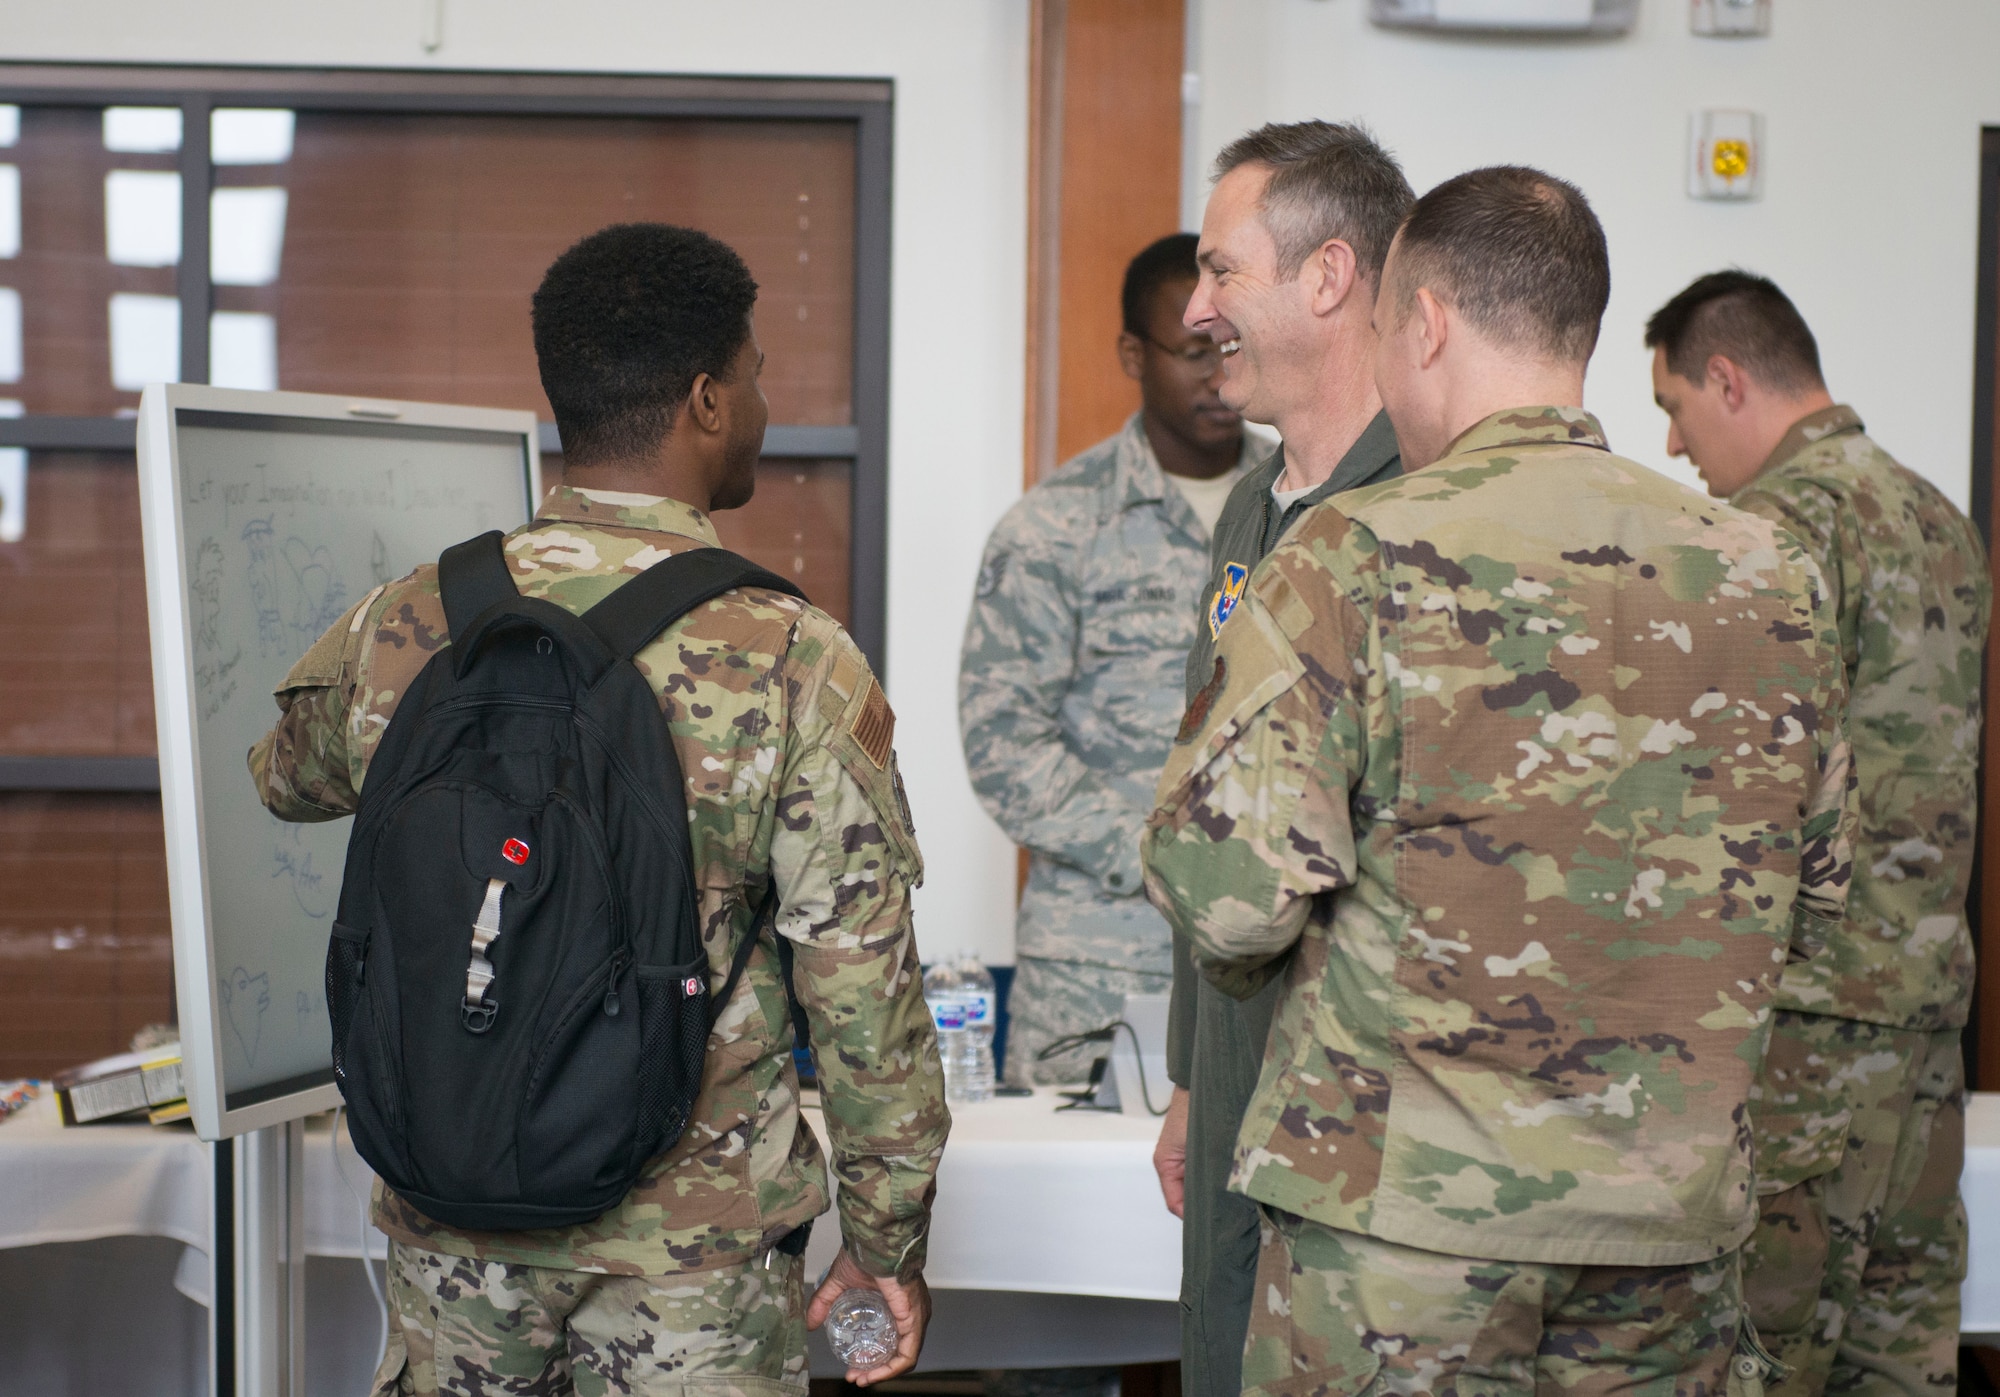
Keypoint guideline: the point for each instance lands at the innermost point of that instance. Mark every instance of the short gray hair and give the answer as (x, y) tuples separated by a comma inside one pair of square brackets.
[(1328, 180)]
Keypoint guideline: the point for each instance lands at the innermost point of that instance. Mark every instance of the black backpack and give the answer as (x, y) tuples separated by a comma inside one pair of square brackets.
[(516, 979)]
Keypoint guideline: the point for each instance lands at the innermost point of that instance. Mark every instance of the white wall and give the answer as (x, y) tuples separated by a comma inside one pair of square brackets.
[(1868, 218), (959, 280)]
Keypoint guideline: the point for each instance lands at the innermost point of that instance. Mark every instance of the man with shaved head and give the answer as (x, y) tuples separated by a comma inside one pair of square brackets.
[(1516, 773)]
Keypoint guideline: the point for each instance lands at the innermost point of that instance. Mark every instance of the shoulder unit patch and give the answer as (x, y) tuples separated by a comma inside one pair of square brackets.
[(1234, 575)]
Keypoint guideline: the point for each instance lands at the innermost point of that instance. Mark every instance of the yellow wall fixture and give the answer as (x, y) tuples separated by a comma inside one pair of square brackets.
[(1725, 155), (1730, 19)]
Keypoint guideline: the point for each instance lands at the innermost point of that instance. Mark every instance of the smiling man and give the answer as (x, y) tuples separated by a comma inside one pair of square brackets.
[(1510, 773), (1067, 686), (1853, 1273), (1291, 253)]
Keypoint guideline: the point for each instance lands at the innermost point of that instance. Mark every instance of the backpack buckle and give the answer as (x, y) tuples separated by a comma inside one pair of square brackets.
[(476, 1011)]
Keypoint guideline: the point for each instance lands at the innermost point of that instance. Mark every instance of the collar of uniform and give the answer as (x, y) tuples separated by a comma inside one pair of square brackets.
[(1364, 462), (611, 509), (1531, 426), (1139, 470), (1817, 425), (1144, 479)]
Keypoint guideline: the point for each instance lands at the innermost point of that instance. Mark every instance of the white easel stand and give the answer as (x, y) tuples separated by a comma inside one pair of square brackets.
[(257, 1340)]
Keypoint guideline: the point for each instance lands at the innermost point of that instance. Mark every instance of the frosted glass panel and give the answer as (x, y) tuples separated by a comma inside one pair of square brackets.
[(243, 350), (246, 236), (142, 130), (145, 340), (142, 218), (250, 136)]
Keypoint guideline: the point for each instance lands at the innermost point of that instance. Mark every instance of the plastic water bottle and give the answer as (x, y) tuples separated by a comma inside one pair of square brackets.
[(941, 993), (981, 1000), (860, 1330)]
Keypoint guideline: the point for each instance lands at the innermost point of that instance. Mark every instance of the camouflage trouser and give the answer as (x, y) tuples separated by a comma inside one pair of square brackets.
[(1340, 1313), (1052, 999), (485, 1327), (1852, 1274)]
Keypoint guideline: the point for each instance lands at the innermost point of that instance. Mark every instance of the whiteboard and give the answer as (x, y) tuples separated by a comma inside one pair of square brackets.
[(266, 516)]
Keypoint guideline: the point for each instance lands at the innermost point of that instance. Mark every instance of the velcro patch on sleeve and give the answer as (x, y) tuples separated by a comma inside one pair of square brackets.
[(873, 726), (1291, 611)]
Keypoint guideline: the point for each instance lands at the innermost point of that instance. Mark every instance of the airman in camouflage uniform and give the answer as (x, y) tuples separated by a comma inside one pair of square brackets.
[(1504, 768), (784, 737), (1853, 1272), (1520, 771), (1069, 679)]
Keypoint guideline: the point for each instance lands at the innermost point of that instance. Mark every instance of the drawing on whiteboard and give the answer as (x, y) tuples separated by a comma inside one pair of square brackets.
[(263, 585), (215, 682), (302, 1004), (314, 595), (245, 997), (205, 591), (295, 589), (378, 560), (290, 859)]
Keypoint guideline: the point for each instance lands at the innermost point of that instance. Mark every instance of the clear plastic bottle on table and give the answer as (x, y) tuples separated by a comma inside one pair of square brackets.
[(942, 994), (981, 1000)]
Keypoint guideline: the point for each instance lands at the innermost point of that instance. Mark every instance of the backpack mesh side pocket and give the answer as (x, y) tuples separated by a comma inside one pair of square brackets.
[(673, 1040), (346, 957)]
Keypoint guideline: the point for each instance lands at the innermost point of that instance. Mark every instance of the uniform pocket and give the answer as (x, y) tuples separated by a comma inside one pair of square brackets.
[(392, 1378), (1302, 1340), (1799, 1115)]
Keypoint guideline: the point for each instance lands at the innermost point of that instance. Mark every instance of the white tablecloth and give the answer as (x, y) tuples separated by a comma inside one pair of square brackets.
[(1029, 1201), (1029, 1198), (1033, 1204)]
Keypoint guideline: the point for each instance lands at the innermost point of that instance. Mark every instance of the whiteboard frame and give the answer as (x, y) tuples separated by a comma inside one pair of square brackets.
[(161, 529)]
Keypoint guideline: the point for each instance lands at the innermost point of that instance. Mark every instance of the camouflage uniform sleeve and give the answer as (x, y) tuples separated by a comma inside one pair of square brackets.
[(1017, 665), (302, 766), (1253, 819), (1832, 826), (1829, 532), (845, 858)]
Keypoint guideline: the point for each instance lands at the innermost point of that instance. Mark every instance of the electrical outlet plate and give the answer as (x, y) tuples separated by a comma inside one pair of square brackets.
[(1508, 16), (1730, 19), (1726, 155)]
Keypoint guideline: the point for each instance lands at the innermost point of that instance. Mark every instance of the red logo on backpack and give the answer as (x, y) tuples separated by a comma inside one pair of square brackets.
[(691, 987), (514, 851)]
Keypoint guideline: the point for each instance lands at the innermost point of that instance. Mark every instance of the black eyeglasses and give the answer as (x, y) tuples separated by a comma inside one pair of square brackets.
[(1204, 358)]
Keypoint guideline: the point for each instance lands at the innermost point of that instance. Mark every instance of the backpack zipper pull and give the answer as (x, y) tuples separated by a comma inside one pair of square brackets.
[(611, 1004)]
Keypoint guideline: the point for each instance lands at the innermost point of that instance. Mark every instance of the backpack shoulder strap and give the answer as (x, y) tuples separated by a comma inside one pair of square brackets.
[(767, 916), (471, 577), (630, 617)]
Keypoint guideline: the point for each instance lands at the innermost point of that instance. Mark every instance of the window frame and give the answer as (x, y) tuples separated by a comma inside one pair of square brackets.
[(867, 104)]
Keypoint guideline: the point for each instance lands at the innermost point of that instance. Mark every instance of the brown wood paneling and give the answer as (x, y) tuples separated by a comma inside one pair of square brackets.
[(63, 274), (78, 677), (1107, 109), (86, 955), (414, 242)]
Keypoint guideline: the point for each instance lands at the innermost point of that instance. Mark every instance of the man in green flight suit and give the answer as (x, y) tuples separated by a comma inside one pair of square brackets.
[(1518, 771), (1852, 1275), (1291, 254)]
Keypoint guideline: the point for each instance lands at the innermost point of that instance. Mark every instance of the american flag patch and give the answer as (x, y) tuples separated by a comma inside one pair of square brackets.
[(874, 726)]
